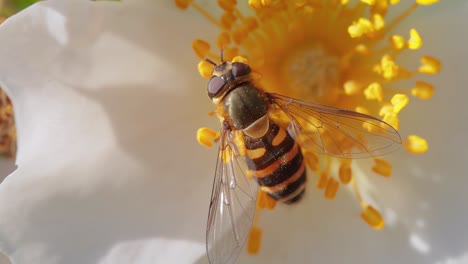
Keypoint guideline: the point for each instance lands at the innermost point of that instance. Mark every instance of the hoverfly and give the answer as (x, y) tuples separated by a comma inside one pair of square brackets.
[(258, 148)]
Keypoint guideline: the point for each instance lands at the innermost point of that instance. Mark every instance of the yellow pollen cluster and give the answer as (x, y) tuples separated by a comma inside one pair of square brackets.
[(336, 52)]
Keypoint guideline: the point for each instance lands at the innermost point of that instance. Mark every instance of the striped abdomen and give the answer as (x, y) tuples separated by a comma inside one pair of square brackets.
[(278, 164)]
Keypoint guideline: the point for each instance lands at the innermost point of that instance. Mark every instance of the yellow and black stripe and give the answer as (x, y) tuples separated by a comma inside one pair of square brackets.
[(278, 164)]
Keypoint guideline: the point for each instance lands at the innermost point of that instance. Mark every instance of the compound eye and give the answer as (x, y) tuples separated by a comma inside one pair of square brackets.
[(215, 85), (240, 69)]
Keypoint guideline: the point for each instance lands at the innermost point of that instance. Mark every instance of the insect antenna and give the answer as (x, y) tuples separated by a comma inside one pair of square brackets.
[(221, 53), (210, 61)]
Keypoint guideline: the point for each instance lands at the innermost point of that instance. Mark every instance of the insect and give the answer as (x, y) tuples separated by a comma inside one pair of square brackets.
[(260, 146)]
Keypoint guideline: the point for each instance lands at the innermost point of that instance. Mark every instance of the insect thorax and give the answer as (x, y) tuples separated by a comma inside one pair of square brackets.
[(244, 105)]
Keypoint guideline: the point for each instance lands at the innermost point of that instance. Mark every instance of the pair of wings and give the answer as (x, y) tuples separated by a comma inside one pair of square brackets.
[(317, 128)]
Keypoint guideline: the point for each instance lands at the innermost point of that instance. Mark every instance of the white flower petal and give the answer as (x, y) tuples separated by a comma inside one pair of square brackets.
[(107, 102)]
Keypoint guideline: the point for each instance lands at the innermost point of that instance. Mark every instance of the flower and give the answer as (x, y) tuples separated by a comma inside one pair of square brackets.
[(335, 53), (109, 171)]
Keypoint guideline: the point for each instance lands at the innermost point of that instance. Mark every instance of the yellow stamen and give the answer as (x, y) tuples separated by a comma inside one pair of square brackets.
[(323, 180), (382, 167), (228, 20), (372, 217), (398, 42), (255, 4), (369, 2), (361, 27), (380, 7), (387, 68), (345, 172), (240, 59), (182, 4), (426, 2), (206, 137), (430, 65), (331, 189), (415, 42), (386, 110), (423, 90), (255, 240), (392, 119), (415, 144), (374, 92), (378, 22), (264, 201), (399, 101), (351, 87), (205, 69), (201, 48)]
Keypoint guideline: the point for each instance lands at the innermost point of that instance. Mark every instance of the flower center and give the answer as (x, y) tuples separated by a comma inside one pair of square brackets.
[(312, 74)]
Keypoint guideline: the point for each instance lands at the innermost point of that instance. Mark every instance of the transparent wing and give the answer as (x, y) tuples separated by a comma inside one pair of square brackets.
[(337, 132), (232, 207)]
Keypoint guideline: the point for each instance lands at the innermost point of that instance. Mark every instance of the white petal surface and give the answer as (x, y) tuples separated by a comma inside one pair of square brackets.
[(107, 99), (107, 102)]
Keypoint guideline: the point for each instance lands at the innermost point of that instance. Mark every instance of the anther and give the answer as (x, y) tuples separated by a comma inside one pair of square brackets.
[(423, 90), (323, 180), (386, 109), (265, 201), (227, 20), (372, 217), (392, 119), (331, 189), (182, 4), (206, 137), (426, 2), (399, 101), (382, 167), (415, 144), (361, 27), (374, 92), (387, 68), (201, 48), (398, 42), (345, 172), (414, 42), (205, 69), (378, 21), (430, 65)]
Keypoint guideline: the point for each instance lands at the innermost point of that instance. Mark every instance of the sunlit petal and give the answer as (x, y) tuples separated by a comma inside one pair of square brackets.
[(105, 99)]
